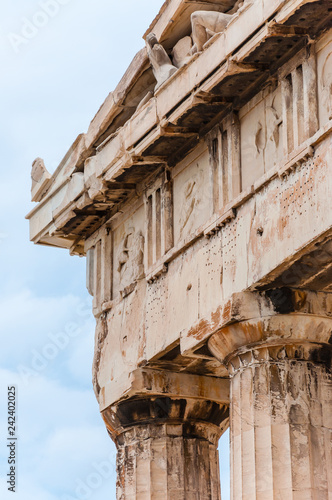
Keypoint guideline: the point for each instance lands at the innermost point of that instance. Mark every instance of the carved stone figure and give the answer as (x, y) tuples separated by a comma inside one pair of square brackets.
[(275, 124), (162, 66), (327, 85), (221, 318), (188, 205), (259, 139), (131, 257), (181, 52), (205, 24), (39, 179)]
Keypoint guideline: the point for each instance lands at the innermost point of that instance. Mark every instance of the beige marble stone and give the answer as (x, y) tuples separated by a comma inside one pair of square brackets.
[(324, 76), (201, 198), (40, 178), (261, 132), (182, 51), (161, 64), (280, 376), (192, 194), (205, 24)]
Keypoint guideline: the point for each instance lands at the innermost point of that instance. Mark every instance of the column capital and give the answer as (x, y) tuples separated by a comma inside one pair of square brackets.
[(166, 429), (285, 319), (166, 417), (278, 352), (195, 404)]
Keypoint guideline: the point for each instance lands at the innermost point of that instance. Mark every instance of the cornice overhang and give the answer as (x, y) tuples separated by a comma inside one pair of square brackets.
[(103, 169)]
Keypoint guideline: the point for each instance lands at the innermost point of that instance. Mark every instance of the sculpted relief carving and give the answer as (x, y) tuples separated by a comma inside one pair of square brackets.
[(192, 193), (39, 179), (130, 259), (324, 79), (269, 130), (274, 121), (162, 66), (181, 52), (261, 135), (327, 85), (188, 205), (259, 138), (195, 199), (204, 24)]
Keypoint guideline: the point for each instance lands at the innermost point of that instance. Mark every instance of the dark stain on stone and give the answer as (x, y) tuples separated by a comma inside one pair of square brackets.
[(310, 266), (297, 415), (282, 300), (277, 386), (291, 387), (204, 351), (218, 413), (322, 355), (161, 409), (172, 354)]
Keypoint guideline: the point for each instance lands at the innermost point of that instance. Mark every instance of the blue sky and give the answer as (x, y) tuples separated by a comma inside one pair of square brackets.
[(59, 61)]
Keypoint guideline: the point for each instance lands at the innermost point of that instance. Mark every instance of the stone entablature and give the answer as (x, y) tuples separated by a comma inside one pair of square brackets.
[(154, 123), (200, 196)]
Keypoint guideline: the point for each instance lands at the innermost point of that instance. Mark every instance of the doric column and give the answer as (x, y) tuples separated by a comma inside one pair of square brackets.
[(167, 447), (281, 423), (281, 403)]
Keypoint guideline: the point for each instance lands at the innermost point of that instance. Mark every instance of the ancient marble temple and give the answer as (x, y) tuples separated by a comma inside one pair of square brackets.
[(201, 198)]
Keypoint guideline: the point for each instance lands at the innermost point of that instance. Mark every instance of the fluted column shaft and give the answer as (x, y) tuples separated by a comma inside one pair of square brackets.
[(167, 447), (159, 462), (281, 423)]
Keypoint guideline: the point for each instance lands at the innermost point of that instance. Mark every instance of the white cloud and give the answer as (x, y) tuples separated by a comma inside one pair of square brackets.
[(61, 438), (46, 405), (82, 356), (34, 324), (83, 445), (26, 490)]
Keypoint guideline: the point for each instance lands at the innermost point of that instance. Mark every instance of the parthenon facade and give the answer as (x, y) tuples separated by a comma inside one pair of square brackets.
[(201, 198)]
